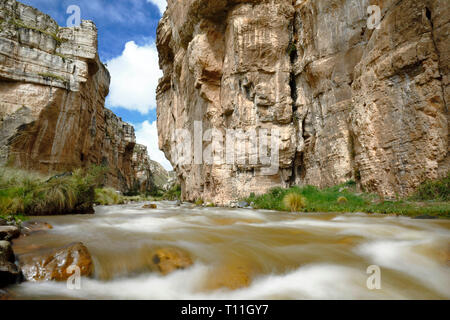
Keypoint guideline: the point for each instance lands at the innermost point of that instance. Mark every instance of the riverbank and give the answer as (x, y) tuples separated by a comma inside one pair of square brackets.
[(25, 193), (432, 200)]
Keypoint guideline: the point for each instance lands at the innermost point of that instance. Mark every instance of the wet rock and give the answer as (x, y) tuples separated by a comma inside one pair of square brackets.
[(150, 206), (243, 204), (9, 273), (9, 232), (54, 264), (179, 203), (171, 259), (6, 252), (30, 227)]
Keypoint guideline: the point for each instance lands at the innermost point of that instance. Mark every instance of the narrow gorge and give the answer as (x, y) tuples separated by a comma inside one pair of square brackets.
[(309, 142), (351, 102)]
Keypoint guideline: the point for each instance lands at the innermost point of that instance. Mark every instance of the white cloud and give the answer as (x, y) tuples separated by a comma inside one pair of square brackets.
[(147, 134), (134, 78), (162, 4)]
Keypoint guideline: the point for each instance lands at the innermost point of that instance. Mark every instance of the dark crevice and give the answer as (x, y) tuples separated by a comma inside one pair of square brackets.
[(292, 51), (428, 14), (293, 56), (429, 17), (293, 86)]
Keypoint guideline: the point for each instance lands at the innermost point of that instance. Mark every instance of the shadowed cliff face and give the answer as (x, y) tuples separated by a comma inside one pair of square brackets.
[(52, 93), (349, 102)]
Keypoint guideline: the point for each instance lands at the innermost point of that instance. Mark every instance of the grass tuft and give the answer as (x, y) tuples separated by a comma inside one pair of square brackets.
[(108, 196), (294, 202), (342, 200), (27, 193)]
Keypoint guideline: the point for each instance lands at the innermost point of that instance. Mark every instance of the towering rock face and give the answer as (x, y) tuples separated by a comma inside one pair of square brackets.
[(52, 93), (349, 101), (149, 175)]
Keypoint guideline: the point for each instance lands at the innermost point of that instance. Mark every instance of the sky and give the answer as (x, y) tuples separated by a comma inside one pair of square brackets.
[(126, 43)]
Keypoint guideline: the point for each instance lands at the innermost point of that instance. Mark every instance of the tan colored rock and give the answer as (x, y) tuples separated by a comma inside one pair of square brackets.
[(55, 264), (150, 206), (52, 94), (168, 260), (350, 102)]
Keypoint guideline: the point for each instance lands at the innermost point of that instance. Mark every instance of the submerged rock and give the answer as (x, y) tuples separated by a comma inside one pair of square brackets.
[(231, 276), (171, 259), (30, 227), (9, 232), (54, 264), (150, 206)]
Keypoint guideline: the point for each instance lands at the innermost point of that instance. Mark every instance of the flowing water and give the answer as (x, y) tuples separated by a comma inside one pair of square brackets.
[(248, 254)]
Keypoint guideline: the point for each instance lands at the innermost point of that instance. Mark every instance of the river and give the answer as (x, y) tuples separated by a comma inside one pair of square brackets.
[(283, 255)]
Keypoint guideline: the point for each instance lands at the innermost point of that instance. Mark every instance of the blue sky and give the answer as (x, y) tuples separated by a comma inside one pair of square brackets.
[(126, 40)]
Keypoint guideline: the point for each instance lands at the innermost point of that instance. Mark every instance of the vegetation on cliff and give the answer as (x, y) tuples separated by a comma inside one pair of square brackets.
[(434, 190), (430, 199)]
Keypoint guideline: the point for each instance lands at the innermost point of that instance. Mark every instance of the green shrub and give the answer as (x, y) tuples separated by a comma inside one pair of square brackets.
[(294, 202), (434, 190), (108, 196), (173, 193)]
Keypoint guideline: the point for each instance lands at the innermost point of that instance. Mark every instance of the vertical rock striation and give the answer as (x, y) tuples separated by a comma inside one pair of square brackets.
[(349, 102), (52, 94)]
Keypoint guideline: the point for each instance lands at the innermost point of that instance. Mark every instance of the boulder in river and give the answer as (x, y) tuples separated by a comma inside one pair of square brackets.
[(54, 264), (9, 232), (171, 259), (9, 273)]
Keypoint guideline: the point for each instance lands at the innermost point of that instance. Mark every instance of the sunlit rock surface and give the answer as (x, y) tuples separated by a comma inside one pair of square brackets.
[(58, 264), (350, 102), (52, 94)]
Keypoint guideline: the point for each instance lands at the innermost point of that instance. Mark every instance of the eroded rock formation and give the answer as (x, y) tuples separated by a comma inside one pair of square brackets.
[(52, 94), (350, 102)]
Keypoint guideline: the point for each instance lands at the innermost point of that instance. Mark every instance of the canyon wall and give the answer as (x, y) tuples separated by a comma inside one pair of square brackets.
[(52, 94), (349, 101)]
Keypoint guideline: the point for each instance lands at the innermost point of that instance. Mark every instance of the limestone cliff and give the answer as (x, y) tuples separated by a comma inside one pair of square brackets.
[(350, 102), (52, 93)]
